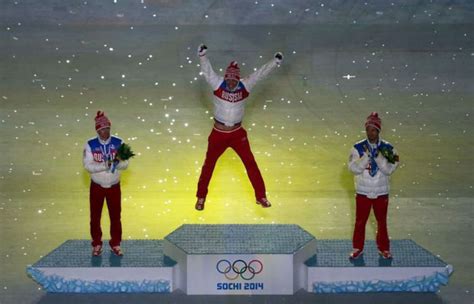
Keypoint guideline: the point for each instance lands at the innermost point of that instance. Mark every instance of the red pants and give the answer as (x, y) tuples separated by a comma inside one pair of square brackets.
[(218, 143), (96, 198), (363, 206)]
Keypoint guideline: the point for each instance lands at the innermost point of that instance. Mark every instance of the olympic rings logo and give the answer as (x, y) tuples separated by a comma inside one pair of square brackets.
[(239, 268)]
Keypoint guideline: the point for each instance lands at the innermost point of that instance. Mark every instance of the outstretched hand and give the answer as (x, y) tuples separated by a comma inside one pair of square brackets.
[(202, 50)]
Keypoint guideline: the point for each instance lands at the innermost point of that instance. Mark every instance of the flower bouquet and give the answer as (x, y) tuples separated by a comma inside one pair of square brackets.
[(124, 152), (389, 155)]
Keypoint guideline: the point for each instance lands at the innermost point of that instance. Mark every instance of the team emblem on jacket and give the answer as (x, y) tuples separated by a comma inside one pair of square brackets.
[(99, 156), (238, 95)]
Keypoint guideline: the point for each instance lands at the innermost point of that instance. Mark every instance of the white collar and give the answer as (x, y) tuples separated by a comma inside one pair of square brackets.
[(374, 144), (104, 142)]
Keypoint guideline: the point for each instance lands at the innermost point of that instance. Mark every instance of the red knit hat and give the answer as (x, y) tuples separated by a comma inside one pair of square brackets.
[(232, 71), (374, 120), (101, 121)]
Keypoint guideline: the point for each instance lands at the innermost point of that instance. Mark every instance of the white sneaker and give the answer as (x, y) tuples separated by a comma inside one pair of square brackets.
[(117, 250), (355, 254), (97, 250), (264, 202), (200, 204)]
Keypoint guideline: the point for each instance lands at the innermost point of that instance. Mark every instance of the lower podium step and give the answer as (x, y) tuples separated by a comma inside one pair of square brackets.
[(412, 269), (71, 268)]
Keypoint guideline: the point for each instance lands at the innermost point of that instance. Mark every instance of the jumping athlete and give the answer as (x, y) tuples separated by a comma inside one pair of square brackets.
[(230, 94)]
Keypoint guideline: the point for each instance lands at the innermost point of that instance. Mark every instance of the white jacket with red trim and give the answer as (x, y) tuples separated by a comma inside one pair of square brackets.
[(372, 171), (229, 106), (96, 154)]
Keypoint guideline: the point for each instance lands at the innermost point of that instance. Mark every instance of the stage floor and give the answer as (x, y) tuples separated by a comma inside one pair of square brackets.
[(301, 123)]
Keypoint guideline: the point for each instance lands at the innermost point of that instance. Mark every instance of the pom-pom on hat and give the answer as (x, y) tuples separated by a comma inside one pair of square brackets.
[(232, 71), (373, 120), (101, 121)]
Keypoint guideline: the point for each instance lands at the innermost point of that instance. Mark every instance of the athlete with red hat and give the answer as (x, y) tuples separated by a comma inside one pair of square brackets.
[(372, 161), (100, 161), (230, 95)]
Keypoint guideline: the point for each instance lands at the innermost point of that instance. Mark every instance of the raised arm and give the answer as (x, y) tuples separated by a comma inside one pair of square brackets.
[(250, 81), (211, 77), (89, 163)]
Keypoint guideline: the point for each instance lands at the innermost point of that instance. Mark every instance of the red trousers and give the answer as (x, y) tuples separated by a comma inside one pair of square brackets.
[(96, 199), (363, 206), (218, 142)]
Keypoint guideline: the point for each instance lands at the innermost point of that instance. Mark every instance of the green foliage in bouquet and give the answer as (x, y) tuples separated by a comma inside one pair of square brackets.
[(389, 155), (124, 152)]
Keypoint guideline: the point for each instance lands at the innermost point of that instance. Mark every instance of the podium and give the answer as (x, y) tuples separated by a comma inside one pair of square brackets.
[(239, 260)]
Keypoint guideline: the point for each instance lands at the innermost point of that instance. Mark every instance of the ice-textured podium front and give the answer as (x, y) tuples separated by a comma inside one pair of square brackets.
[(239, 259)]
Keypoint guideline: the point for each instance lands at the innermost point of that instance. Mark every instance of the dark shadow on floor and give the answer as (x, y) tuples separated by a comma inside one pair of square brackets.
[(299, 297)]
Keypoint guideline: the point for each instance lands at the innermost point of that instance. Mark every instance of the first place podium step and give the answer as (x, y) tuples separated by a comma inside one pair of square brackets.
[(239, 260)]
